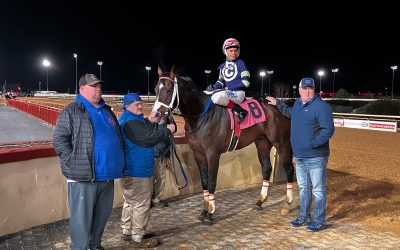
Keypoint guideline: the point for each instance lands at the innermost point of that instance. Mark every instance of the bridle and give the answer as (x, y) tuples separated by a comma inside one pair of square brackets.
[(175, 95), (169, 107)]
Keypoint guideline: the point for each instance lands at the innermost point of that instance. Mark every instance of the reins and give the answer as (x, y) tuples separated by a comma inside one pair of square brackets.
[(173, 152), (171, 107)]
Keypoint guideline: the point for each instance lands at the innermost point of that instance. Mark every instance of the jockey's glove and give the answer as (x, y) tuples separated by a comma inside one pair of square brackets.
[(210, 88)]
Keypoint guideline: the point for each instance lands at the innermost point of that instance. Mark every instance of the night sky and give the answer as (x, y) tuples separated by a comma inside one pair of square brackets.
[(292, 39)]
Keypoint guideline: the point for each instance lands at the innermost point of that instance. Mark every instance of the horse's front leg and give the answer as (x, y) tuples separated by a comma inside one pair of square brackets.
[(263, 152), (201, 161), (213, 165)]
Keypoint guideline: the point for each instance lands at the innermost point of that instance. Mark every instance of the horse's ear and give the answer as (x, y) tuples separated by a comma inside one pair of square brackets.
[(160, 72), (173, 72)]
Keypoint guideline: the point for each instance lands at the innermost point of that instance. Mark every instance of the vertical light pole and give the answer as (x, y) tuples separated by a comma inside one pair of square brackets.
[(294, 91), (320, 73), (148, 68), (262, 74), (394, 67), (269, 72), (46, 63), (334, 71), (76, 73), (100, 63), (207, 71)]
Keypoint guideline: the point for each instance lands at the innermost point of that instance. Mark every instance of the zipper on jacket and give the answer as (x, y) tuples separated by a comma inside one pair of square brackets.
[(91, 126)]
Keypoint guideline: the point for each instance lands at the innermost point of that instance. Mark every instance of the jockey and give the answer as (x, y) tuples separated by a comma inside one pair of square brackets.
[(233, 79)]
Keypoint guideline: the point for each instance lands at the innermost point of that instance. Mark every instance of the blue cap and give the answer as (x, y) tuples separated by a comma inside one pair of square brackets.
[(307, 82), (131, 98)]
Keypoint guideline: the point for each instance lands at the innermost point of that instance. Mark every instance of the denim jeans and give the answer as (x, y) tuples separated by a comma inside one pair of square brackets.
[(311, 178), (90, 205)]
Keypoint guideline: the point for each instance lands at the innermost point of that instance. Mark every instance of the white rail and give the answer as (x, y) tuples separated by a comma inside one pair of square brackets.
[(388, 123), (384, 117)]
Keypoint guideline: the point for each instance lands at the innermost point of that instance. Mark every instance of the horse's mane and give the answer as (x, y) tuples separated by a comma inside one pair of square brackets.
[(191, 83)]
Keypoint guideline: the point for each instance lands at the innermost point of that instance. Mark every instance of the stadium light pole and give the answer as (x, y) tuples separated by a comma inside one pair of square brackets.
[(269, 72), (76, 73), (320, 73), (207, 71), (394, 67), (294, 91), (100, 63), (46, 63), (262, 74), (334, 71), (148, 68)]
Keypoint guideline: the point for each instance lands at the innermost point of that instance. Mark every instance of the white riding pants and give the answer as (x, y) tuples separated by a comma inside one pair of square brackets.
[(223, 97)]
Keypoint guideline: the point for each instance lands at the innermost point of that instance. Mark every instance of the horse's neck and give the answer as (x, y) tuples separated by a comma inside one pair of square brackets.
[(192, 102)]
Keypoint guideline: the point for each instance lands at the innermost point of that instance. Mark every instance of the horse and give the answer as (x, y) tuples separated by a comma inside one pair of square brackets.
[(208, 132)]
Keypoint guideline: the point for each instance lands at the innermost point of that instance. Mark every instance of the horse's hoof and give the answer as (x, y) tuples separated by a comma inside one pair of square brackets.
[(208, 220), (203, 215), (285, 209), (258, 205), (257, 208)]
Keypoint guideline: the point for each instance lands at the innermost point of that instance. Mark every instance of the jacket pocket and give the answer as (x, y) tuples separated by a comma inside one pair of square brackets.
[(65, 159)]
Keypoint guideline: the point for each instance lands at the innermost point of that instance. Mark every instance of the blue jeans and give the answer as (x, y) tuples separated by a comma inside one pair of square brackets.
[(311, 178), (90, 205)]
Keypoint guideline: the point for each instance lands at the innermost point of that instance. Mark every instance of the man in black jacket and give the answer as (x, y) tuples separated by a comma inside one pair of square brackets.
[(88, 140)]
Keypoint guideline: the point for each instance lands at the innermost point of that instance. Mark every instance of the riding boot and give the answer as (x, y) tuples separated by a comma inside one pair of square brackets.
[(241, 112)]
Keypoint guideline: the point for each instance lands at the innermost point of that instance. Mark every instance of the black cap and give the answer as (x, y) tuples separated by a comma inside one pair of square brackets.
[(89, 79)]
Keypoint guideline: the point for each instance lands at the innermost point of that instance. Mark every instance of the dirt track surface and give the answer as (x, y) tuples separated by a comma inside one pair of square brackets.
[(364, 179)]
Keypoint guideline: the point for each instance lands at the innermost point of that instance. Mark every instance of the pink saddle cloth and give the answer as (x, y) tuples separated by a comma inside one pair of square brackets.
[(255, 114)]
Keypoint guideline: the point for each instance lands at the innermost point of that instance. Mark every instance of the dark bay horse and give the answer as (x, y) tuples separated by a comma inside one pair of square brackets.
[(208, 132)]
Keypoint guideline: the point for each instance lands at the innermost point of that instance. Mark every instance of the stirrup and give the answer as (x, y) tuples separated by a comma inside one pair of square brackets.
[(241, 115)]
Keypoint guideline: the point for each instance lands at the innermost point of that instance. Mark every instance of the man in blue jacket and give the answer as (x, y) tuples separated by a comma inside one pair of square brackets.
[(88, 141), (311, 128), (140, 136)]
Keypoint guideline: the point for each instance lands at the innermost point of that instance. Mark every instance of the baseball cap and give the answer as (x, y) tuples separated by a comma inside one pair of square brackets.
[(131, 98), (306, 82), (89, 79)]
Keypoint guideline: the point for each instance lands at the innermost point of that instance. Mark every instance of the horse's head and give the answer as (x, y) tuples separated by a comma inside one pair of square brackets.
[(166, 91)]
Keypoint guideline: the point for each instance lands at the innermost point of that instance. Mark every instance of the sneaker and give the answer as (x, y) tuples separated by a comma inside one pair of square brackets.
[(315, 227), (300, 222), (126, 234), (145, 243), (126, 237)]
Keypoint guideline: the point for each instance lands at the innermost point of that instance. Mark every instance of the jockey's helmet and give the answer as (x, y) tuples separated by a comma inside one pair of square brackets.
[(230, 43)]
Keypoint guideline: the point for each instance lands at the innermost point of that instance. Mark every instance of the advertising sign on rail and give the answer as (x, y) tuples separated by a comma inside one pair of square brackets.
[(366, 124)]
